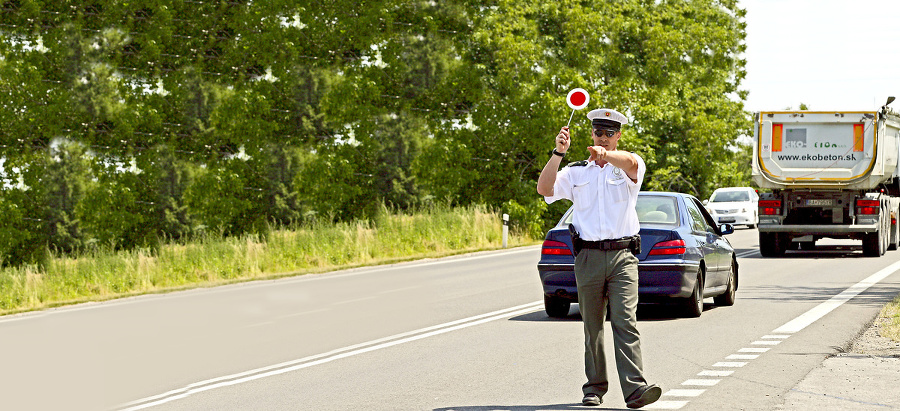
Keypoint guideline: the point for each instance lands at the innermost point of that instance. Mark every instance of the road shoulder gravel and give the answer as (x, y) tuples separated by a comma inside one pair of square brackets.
[(862, 378)]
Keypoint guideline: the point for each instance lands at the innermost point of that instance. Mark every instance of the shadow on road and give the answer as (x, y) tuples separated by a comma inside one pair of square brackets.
[(646, 312), (548, 407), (819, 252), (878, 295)]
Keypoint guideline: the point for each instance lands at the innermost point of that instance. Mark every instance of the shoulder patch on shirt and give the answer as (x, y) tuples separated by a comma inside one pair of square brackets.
[(581, 163)]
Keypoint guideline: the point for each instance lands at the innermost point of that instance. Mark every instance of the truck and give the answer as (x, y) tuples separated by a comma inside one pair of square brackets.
[(832, 174)]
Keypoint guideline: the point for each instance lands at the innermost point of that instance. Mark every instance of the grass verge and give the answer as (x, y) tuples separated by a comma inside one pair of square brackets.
[(891, 314), (308, 248)]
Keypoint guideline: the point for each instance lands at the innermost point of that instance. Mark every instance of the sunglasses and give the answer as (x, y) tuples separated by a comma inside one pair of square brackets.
[(599, 132)]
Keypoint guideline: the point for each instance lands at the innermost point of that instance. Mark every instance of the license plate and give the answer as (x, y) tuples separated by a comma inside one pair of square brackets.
[(726, 220), (819, 202)]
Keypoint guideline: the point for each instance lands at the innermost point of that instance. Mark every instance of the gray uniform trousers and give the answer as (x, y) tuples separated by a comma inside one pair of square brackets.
[(613, 274)]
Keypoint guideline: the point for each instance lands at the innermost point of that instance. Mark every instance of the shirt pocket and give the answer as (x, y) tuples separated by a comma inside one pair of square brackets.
[(617, 190), (581, 196)]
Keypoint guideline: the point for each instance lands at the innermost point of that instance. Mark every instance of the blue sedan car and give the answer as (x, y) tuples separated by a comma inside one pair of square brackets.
[(684, 257)]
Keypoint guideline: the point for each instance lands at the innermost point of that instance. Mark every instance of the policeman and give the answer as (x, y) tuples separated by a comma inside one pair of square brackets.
[(604, 191)]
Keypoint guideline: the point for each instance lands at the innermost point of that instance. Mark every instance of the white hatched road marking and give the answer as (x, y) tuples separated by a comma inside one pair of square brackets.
[(715, 373), (684, 393), (779, 334), (701, 382), (666, 405), (731, 364), (742, 357)]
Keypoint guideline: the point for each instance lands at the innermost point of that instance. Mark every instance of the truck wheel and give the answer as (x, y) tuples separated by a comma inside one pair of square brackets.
[(556, 307), (895, 237), (872, 244), (772, 244)]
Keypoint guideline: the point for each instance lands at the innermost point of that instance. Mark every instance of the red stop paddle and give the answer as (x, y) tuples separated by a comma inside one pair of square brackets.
[(578, 99)]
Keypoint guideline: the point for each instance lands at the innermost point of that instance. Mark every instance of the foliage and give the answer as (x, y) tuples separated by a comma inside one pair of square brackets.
[(206, 117), (526, 219)]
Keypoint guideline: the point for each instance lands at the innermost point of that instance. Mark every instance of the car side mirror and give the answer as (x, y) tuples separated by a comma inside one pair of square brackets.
[(726, 229), (705, 202)]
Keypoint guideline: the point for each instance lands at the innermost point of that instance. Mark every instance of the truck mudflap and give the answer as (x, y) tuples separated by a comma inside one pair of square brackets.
[(823, 229)]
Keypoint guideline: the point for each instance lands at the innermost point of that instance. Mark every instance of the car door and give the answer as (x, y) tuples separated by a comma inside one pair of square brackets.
[(706, 237)]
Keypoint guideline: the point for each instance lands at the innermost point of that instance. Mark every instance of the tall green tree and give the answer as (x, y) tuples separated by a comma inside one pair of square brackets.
[(231, 116)]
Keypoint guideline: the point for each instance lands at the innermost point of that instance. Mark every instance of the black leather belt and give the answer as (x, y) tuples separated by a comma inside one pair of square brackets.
[(616, 244)]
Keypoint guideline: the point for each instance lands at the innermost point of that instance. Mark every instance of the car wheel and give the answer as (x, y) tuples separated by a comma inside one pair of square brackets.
[(556, 307), (693, 306), (727, 298)]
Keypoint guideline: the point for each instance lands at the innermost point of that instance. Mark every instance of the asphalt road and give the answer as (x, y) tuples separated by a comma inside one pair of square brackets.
[(464, 333)]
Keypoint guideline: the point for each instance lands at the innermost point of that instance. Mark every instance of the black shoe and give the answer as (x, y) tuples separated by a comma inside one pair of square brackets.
[(591, 399), (645, 395)]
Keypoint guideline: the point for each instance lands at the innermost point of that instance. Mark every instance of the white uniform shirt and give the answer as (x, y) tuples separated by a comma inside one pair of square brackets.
[(604, 198)]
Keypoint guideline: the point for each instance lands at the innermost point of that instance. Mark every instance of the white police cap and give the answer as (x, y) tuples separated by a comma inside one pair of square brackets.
[(605, 117)]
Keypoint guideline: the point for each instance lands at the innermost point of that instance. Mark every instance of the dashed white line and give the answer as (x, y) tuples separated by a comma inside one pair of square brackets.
[(701, 382), (779, 334), (730, 364), (742, 357), (666, 405), (684, 393), (715, 373)]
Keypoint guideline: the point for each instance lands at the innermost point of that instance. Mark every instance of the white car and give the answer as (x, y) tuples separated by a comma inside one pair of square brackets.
[(734, 205)]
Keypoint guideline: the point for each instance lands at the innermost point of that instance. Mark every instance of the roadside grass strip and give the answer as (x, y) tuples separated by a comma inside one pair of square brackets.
[(337, 354), (767, 341)]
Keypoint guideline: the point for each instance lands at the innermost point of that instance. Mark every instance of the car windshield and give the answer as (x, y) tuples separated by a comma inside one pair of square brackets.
[(729, 196), (656, 210), (650, 209)]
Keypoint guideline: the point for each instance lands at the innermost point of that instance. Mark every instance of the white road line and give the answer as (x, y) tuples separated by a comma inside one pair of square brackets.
[(684, 393), (666, 405), (701, 382), (715, 373), (742, 357), (729, 364), (778, 335), (747, 253), (821, 310), (327, 357), (754, 349)]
